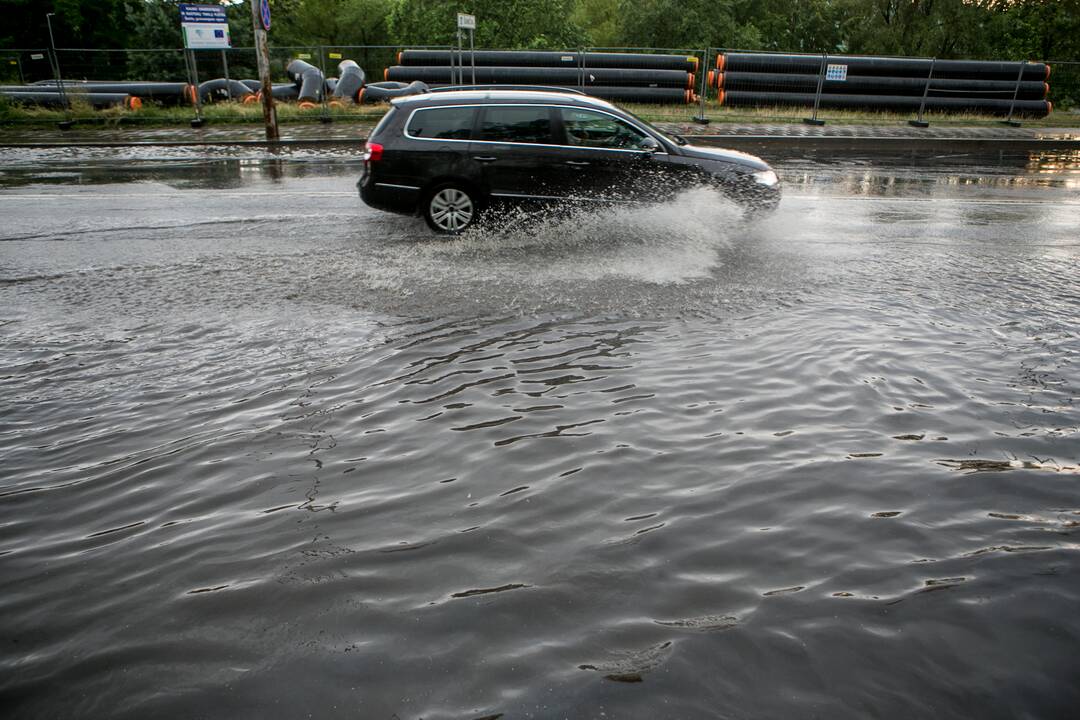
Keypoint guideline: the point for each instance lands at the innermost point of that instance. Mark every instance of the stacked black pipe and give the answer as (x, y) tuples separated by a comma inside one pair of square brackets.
[(51, 97), (883, 84), (631, 77)]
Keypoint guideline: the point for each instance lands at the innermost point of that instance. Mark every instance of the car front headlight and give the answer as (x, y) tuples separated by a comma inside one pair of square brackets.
[(766, 177)]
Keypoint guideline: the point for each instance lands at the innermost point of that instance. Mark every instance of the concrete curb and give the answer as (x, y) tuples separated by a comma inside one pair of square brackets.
[(836, 141)]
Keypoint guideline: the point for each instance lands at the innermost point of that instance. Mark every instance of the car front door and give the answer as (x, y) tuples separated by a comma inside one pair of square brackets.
[(613, 159)]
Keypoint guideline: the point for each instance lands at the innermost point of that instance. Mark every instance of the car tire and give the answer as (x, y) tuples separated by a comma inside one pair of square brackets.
[(450, 208)]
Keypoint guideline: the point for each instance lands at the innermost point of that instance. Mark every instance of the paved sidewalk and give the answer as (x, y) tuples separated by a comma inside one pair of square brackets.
[(342, 132), (938, 132)]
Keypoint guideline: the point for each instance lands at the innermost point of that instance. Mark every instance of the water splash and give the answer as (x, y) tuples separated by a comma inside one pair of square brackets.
[(661, 243)]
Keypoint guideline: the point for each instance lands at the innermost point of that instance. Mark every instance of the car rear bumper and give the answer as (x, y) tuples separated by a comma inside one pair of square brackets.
[(392, 197)]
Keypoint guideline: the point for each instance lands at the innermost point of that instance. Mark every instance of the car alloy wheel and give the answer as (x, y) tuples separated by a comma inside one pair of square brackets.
[(450, 210)]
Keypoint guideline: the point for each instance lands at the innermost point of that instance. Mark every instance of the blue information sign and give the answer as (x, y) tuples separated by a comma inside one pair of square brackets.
[(264, 13)]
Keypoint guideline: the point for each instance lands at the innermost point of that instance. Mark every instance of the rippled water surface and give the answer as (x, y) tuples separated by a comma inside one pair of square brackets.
[(268, 453)]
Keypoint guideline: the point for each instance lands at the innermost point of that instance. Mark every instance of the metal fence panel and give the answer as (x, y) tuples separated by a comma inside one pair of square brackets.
[(710, 97)]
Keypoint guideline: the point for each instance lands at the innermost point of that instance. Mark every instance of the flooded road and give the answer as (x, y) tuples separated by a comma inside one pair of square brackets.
[(269, 453)]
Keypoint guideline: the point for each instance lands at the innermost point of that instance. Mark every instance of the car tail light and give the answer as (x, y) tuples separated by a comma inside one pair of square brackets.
[(372, 152)]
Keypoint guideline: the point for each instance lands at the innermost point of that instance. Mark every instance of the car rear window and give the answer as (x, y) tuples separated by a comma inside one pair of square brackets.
[(384, 123), (516, 124), (447, 123)]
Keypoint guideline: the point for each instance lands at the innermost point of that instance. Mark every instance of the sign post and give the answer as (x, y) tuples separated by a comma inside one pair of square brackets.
[(205, 27), (260, 21), (467, 22)]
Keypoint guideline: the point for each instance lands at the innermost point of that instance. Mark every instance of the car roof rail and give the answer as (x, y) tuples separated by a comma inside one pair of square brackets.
[(546, 88)]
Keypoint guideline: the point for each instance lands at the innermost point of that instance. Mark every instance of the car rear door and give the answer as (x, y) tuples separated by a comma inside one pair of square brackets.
[(436, 145), (513, 144)]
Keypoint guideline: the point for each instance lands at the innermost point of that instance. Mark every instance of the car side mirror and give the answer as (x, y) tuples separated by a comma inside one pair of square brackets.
[(649, 145)]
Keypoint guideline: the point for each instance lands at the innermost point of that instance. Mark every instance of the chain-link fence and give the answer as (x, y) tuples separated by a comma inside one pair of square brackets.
[(219, 85)]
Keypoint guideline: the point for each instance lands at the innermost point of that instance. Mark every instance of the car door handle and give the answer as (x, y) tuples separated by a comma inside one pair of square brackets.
[(485, 158), (578, 163)]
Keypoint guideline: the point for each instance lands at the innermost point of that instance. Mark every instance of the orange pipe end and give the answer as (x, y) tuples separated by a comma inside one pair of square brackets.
[(690, 80), (1047, 72), (386, 73), (694, 59), (249, 99), (306, 105), (1046, 89), (719, 79), (399, 57), (190, 93), (360, 96), (133, 102), (709, 76), (720, 98), (335, 104), (1049, 107), (721, 61)]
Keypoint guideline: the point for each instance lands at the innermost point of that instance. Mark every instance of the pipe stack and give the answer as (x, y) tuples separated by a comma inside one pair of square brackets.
[(631, 77), (881, 83), (50, 97)]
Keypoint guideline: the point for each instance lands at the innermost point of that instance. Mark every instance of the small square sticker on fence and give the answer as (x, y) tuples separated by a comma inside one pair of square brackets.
[(836, 72)]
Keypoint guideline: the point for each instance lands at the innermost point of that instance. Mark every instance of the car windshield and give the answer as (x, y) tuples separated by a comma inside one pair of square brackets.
[(673, 137)]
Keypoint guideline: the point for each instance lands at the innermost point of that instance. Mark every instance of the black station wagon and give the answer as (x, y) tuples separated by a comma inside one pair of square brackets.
[(454, 155)]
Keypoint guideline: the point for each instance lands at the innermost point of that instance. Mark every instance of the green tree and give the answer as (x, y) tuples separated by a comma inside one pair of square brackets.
[(599, 20), (331, 22), (499, 23), (688, 24), (799, 25)]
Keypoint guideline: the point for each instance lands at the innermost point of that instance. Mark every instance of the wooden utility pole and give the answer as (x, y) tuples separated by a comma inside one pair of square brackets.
[(260, 21)]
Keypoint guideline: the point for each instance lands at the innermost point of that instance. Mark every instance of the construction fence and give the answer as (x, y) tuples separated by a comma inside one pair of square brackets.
[(709, 99)]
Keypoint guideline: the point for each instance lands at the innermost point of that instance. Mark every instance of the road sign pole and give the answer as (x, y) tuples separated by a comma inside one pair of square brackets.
[(262, 54), (464, 22)]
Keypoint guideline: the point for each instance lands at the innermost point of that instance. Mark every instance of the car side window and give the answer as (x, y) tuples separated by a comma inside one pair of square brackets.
[(444, 123), (592, 129), (519, 124)]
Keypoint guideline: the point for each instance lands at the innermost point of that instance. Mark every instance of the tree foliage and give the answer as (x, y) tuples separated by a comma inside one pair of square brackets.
[(502, 23), (1008, 29)]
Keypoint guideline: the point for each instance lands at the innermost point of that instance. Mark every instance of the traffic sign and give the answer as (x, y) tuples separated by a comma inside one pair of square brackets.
[(466, 22), (264, 13)]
